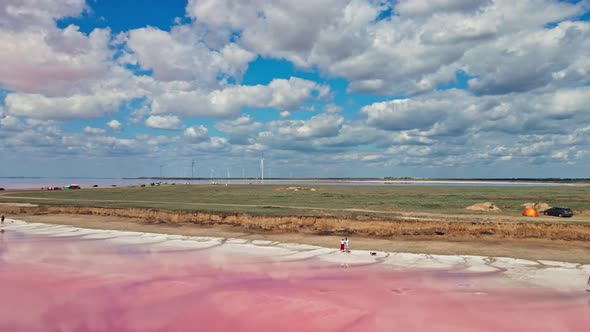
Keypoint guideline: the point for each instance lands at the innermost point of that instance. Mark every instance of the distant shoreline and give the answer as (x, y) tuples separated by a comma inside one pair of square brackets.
[(36, 183), (386, 179)]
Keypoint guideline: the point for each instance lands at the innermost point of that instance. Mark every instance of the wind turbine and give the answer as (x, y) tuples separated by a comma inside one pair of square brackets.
[(193, 169), (262, 170)]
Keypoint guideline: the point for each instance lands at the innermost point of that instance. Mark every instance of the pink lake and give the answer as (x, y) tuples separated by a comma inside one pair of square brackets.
[(80, 284)]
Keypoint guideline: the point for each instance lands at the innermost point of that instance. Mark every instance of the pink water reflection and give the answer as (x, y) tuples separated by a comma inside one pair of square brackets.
[(74, 284)]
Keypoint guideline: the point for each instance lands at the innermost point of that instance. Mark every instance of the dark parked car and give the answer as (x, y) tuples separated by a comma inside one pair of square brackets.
[(559, 212)]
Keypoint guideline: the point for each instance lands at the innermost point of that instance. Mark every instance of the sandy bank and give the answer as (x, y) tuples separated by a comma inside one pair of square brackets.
[(525, 273), (530, 249)]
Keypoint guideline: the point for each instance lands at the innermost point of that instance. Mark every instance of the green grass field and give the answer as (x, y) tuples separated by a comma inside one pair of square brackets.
[(332, 200)]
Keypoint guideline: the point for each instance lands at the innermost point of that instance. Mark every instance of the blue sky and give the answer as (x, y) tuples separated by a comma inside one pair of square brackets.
[(330, 88)]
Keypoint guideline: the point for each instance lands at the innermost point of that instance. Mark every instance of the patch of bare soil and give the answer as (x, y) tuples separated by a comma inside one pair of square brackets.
[(18, 205), (487, 206), (537, 206), (296, 189)]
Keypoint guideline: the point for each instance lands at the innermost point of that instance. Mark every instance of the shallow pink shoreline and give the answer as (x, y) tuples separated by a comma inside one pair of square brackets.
[(93, 285)]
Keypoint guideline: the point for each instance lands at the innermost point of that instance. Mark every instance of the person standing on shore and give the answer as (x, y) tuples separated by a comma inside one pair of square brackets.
[(2, 218), (342, 245), (347, 244)]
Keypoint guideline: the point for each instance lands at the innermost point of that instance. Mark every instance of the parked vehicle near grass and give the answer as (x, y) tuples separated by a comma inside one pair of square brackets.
[(559, 212)]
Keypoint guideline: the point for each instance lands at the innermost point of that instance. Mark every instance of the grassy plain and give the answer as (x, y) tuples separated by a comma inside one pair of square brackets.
[(274, 200)]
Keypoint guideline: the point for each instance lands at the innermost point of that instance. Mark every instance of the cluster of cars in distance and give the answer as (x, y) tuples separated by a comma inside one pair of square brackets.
[(71, 186)]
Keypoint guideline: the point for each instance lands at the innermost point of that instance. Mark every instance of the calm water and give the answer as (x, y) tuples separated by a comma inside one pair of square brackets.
[(34, 183), (81, 284)]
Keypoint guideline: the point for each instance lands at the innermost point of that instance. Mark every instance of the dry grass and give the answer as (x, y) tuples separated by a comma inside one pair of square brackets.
[(333, 225)]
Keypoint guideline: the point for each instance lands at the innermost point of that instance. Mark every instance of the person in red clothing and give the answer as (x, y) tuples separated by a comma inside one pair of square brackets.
[(342, 245)]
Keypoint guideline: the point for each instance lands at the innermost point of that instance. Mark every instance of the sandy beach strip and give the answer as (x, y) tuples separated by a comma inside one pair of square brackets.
[(523, 272), (529, 249)]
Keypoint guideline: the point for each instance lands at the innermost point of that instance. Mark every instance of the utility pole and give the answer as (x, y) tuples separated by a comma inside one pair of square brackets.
[(193, 169)]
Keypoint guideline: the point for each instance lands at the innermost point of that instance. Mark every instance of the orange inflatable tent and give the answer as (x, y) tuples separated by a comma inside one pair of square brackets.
[(530, 212)]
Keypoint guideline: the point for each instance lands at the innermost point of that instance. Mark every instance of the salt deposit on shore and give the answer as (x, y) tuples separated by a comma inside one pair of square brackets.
[(518, 272)]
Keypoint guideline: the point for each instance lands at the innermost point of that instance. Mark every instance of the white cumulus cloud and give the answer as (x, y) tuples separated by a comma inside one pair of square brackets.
[(94, 131), (285, 94), (168, 122), (115, 126), (187, 56), (197, 134)]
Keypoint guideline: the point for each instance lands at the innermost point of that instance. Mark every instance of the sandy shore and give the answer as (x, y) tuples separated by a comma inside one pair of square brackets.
[(546, 273), (529, 249)]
